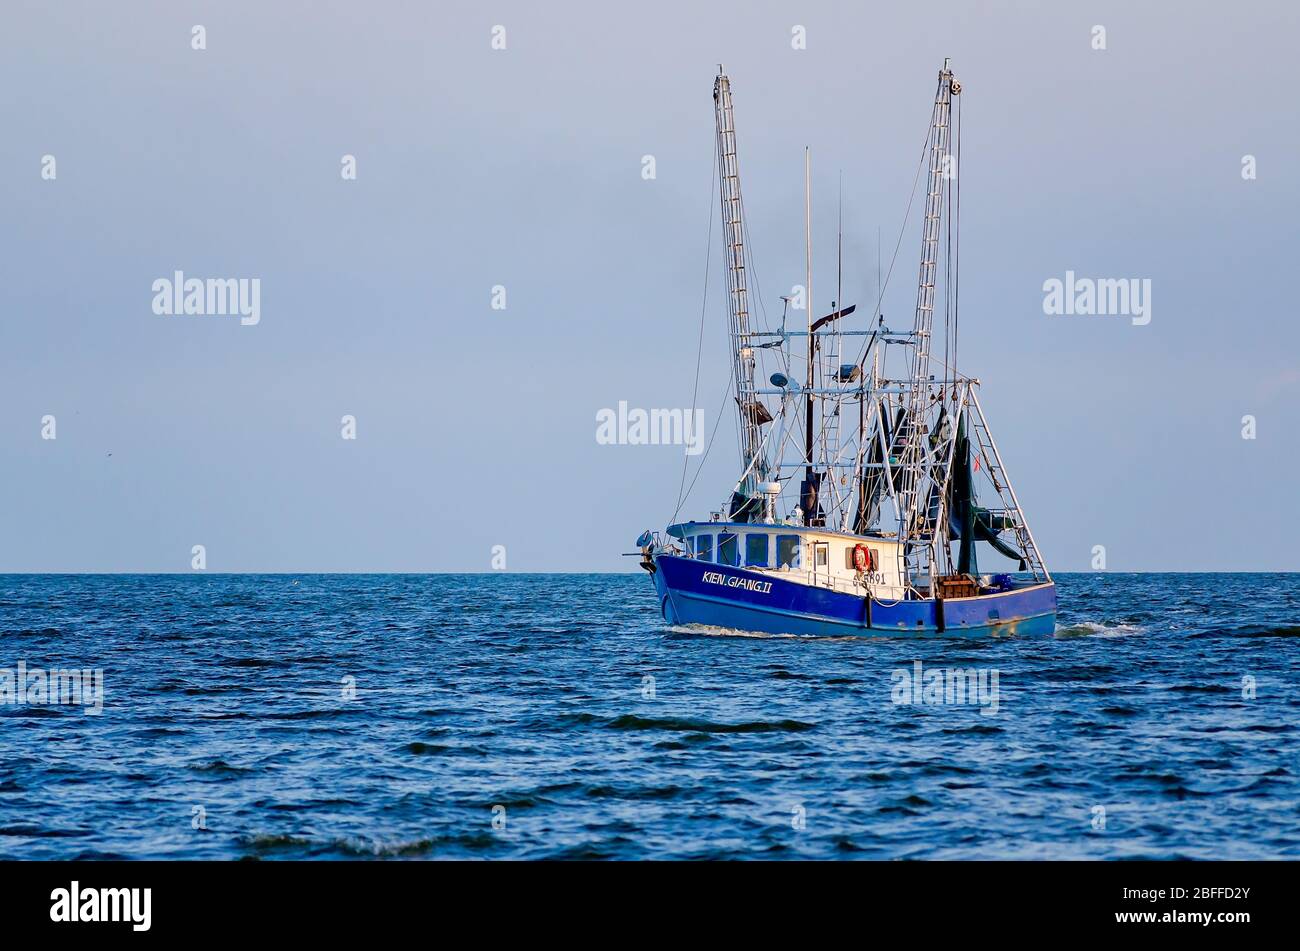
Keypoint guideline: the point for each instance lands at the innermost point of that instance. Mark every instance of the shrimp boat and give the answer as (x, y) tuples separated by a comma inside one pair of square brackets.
[(871, 492)]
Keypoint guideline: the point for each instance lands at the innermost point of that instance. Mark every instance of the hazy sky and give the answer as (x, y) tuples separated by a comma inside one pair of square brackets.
[(522, 167)]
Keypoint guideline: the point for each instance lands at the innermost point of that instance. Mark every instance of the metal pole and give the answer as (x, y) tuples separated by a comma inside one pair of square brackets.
[(812, 343)]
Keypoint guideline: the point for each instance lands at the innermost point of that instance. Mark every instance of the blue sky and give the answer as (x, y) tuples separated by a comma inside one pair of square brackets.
[(522, 168)]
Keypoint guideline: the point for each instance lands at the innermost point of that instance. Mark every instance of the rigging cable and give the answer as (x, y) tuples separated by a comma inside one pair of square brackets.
[(705, 456), (925, 145), (704, 307)]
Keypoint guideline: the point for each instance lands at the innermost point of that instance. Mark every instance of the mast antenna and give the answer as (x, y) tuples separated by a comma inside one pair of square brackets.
[(808, 491)]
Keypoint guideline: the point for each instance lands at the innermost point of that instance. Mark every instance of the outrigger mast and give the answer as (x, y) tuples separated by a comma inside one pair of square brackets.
[(745, 502), (920, 522)]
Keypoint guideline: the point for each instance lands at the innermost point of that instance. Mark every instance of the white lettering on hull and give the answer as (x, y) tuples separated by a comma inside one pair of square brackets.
[(749, 584)]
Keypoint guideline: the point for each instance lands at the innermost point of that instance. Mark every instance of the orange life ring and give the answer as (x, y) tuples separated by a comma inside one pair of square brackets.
[(864, 559)]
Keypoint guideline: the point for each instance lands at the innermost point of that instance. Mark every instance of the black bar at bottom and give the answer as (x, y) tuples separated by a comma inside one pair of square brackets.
[(1223, 901)]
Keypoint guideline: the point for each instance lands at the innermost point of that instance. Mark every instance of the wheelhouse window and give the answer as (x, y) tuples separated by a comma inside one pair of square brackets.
[(756, 549), (728, 549), (787, 551), (704, 547)]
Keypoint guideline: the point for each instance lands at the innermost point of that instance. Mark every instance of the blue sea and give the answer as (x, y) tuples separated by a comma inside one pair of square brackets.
[(510, 716)]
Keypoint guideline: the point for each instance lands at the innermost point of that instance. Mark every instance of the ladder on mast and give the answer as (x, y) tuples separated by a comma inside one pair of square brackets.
[(919, 529), (752, 413)]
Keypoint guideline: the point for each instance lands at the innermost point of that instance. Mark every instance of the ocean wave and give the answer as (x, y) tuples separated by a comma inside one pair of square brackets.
[(630, 721), (426, 749), (1098, 629), (220, 767), (1253, 630)]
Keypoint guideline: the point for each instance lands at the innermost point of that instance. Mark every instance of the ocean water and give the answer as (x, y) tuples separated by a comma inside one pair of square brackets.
[(511, 716)]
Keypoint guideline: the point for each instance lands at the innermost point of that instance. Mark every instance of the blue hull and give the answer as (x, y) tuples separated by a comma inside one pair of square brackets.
[(700, 592)]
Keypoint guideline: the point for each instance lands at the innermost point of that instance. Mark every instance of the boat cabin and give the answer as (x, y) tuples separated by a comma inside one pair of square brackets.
[(813, 556)]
